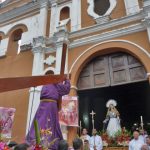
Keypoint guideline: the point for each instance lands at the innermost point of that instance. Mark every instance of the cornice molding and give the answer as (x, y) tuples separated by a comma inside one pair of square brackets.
[(18, 13), (107, 25), (108, 35)]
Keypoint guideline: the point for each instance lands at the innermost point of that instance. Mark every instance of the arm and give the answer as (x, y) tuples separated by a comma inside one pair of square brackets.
[(91, 143), (130, 147), (63, 88), (100, 144), (107, 118)]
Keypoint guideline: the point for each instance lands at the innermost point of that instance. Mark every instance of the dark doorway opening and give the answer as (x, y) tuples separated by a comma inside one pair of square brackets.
[(133, 101)]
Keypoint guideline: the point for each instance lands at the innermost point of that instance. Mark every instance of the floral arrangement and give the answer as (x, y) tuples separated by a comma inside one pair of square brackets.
[(3, 145), (121, 139), (42, 137), (45, 134)]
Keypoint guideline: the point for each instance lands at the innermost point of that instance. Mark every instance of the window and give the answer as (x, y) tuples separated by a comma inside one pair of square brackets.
[(49, 72), (64, 13), (17, 38)]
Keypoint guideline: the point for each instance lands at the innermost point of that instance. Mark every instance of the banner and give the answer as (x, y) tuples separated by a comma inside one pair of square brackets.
[(6, 121), (68, 115)]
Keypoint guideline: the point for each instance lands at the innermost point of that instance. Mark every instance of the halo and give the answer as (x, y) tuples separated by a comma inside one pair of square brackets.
[(111, 102)]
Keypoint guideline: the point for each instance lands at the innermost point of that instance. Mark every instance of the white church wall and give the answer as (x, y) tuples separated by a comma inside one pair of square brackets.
[(3, 47), (35, 28)]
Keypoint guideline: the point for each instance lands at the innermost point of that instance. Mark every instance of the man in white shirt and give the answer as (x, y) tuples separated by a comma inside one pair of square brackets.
[(136, 143), (95, 141), (84, 135), (142, 135), (147, 144)]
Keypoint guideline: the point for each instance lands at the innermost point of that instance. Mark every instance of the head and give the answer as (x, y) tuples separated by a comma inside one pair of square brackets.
[(111, 106), (63, 145), (136, 135), (86, 142), (77, 144), (23, 146), (141, 132), (12, 144), (94, 132), (144, 147), (148, 140), (84, 131)]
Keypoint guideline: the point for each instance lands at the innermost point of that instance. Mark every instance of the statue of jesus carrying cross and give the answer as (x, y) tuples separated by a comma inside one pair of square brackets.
[(55, 86)]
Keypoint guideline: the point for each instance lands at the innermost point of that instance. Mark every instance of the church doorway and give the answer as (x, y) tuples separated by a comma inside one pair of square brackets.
[(118, 76)]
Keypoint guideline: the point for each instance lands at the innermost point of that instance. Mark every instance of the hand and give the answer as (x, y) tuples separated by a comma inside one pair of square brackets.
[(68, 76), (94, 147)]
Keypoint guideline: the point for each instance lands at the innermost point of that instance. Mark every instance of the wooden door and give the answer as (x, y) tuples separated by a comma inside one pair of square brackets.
[(125, 68), (95, 74), (110, 70)]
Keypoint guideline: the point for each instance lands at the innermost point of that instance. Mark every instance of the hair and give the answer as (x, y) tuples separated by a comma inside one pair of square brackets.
[(114, 109), (148, 137), (22, 146), (63, 145), (86, 141), (84, 128), (12, 144), (77, 144), (136, 131)]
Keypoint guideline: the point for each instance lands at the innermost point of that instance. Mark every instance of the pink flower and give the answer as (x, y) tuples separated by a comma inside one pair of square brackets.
[(2, 145)]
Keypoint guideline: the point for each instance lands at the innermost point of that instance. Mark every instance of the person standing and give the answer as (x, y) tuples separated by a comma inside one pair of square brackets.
[(95, 141), (84, 135), (142, 135), (146, 146), (47, 113), (77, 144), (136, 143)]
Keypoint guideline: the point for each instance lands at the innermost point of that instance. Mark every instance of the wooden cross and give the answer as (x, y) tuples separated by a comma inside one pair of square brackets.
[(15, 83), (92, 114)]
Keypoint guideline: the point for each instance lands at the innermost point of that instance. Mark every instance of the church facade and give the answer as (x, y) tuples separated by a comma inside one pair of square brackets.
[(108, 45)]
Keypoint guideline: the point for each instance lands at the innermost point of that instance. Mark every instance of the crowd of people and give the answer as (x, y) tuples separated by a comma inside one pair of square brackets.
[(140, 141)]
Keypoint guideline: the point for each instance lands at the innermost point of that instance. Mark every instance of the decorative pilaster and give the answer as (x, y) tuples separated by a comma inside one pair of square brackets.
[(44, 4), (132, 6), (146, 22), (76, 15), (3, 47), (34, 100), (53, 20), (62, 37), (38, 69)]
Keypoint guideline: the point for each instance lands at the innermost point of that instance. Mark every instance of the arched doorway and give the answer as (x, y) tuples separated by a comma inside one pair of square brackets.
[(117, 76)]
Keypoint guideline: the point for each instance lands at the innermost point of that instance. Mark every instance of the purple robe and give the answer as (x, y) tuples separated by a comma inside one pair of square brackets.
[(49, 111)]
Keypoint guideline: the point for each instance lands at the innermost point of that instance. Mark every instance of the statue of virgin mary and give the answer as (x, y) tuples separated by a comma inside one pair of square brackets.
[(113, 118)]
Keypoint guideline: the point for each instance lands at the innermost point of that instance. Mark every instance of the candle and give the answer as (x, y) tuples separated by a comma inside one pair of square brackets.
[(141, 119), (37, 132)]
